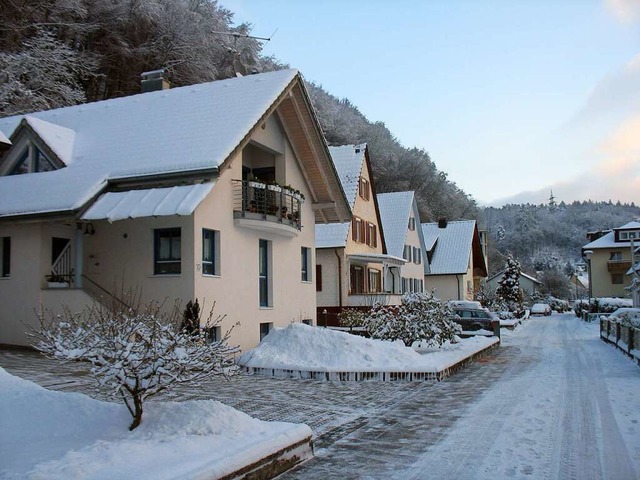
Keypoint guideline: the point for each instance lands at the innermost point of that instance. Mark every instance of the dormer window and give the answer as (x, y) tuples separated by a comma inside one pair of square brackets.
[(629, 235), (32, 160)]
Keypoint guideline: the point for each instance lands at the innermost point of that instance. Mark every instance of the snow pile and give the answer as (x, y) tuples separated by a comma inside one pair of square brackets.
[(47, 434), (302, 347), (626, 316)]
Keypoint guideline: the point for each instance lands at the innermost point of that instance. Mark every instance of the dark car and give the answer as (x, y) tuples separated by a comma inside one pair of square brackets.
[(473, 319)]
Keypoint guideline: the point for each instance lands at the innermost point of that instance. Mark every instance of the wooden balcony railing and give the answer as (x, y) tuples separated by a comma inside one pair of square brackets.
[(618, 266)]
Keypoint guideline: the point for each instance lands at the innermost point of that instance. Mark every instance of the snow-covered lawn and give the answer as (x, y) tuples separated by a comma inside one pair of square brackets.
[(56, 435), (301, 347)]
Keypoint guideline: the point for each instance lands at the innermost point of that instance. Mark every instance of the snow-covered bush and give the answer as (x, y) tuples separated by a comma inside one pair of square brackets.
[(628, 317), (420, 317), (135, 354), (351, 317)]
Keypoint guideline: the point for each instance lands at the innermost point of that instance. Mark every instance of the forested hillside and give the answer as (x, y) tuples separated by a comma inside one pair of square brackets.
[(547, 237), (55, 53)]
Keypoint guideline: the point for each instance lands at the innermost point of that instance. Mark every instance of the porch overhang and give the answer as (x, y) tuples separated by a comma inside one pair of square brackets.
[(377, 258), (153, 202)]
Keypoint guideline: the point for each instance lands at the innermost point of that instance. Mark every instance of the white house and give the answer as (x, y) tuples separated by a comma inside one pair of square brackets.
[(209, 191), (404, 238), (457, 258)]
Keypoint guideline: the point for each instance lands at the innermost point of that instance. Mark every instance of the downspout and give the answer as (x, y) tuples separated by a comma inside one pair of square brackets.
[(335, 250), (458, 282)]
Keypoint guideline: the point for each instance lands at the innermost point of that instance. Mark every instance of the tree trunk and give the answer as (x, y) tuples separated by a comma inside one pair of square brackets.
[(137, 417)]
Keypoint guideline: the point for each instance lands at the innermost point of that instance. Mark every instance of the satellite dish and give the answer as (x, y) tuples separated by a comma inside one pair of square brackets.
[(239, 68)]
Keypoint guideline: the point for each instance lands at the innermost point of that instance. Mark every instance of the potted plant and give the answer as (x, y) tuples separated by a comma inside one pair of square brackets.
[(56, 281), (274, 187), (256, 183)]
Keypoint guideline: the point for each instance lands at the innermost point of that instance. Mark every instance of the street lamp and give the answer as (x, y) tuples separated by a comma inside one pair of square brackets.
[(324, 314), (587, 254)]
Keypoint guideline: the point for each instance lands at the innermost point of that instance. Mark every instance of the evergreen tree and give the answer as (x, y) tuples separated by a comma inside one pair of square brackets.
[(509, 290)]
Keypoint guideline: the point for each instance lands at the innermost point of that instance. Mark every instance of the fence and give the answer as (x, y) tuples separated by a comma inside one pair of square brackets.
[(625, 338)]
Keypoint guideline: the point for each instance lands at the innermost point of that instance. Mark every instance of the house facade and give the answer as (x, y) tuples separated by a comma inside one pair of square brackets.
[(609, 257), (528, 284), (207, 192), (404, 238), (353, 267), (456, 257)]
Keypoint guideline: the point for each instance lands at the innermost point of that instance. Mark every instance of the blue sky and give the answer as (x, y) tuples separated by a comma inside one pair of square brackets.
[(510, 98)]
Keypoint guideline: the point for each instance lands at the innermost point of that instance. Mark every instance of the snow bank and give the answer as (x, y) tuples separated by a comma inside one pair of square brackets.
[(57, 435), (302, 347), (614, 302)]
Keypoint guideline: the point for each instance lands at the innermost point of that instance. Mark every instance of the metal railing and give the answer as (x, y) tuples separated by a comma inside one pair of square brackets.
[(259, 201), (62, 267)]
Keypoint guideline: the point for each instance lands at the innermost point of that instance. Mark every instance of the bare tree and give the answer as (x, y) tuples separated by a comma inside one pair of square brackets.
[(136, 354)]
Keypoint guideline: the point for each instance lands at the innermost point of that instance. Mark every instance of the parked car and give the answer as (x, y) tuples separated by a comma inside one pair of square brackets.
[(540, 309), (473, 319)]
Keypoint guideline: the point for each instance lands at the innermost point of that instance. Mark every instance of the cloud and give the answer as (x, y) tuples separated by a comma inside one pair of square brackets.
[(614, 94), (615, 176), (626, 11)]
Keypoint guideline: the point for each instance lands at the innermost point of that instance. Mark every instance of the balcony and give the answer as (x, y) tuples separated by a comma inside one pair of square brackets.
[(618, 266), (265, 207)]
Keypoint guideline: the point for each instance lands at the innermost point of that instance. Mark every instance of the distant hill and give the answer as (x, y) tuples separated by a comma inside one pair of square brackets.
[(545, 237)]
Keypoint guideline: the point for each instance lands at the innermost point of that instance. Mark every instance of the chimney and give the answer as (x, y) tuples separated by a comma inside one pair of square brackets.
[(442, 222), (154, 80)]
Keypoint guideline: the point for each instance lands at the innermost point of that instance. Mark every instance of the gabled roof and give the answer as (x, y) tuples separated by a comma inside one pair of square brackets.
[(349, 161), (608, 240), (522, 274), (395, 209), (451, 247), (193, 129)]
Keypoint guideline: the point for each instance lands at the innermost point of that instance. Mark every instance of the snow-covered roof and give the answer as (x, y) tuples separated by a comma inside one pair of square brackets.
[(4, 138), (331, 235), (608, 240), (154, 202), (395, 209), (59, 139), (169, 131), (522, 274), (453, 246), (349, 161)]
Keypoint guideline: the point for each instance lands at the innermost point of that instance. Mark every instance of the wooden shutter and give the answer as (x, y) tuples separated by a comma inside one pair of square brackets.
[(367, 234), (318, 278), (354, 226)]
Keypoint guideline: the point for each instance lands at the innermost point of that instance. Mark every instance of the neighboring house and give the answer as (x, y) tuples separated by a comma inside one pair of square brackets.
[(609, 257), (157, 192), (404, 238), (580, 285), (456, 258), (353, 268), (528, 284)]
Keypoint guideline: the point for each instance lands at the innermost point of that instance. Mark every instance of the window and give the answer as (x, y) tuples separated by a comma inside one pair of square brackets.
[(412, 223), (307, 321), (210, 252), (617, 279), (318, 278), (363, 188), (417, 255), (357, 279), (215, 334), (167, 251), (357, 227), (624, 235), (265, 328), (407, 253), (616, 256), (5, 257), (264, 272), (305, 261), (32, 160), (372, 239), (374, 281)]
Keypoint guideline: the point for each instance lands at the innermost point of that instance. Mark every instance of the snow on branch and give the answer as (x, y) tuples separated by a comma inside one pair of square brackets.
[(137, 354)]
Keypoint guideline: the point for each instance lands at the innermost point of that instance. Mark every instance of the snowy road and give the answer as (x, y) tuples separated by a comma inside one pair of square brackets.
[(554, 403)]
